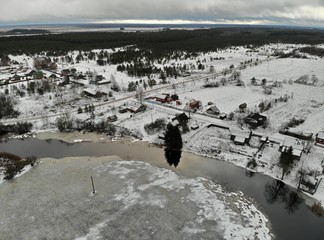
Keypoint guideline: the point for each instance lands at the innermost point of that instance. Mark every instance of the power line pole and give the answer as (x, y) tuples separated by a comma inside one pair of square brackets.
[(93, 188)]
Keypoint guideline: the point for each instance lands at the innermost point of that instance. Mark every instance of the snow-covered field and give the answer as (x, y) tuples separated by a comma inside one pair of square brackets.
[(133, 200)]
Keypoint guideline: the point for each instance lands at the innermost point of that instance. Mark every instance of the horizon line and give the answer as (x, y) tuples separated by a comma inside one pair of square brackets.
[(130, 22)]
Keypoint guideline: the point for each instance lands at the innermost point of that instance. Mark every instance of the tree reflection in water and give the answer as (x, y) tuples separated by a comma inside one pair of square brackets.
[(292, 202), (277, 191), (172, 156)]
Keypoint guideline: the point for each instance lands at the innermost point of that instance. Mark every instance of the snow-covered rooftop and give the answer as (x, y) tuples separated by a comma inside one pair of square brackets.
[(90, 91), (320, 135), (239, 139), (240, 133), (295, 143)]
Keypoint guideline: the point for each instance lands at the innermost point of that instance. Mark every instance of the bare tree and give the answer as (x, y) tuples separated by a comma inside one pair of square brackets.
[(314, 79), (65, 123)]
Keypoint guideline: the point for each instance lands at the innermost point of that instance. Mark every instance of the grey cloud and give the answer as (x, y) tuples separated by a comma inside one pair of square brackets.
[(285, 11)]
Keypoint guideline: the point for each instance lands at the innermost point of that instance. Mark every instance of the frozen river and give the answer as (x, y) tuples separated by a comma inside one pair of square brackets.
[(146, 198), (133, 200)]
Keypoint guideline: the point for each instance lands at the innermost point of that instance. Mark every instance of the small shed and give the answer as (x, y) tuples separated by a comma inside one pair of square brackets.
[(308, 184), (212, 110), (100, 78), (320, 138), (80, 77), (16, 77), (239, 140), (264, 139), (52, 77), (122, 109), (112, 118), (242, 107), (222, 116), (194, 126), (30, 73)]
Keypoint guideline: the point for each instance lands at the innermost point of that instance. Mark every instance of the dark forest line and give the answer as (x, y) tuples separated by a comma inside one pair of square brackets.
[(202, 40)]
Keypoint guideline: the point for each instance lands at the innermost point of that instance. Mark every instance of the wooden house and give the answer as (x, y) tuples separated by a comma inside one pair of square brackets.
[(136, 107), (297, 146), (163, 98), (93, 93), (255, 120), (194, 104), (240, 137)]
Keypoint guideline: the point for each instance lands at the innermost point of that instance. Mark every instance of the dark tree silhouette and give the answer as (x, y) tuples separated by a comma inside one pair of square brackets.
[(7, 107), (286, 161), (173, 145), (292, 202), (173, 139), (5, 61), (172, 157), (278, 192), (275, 191)]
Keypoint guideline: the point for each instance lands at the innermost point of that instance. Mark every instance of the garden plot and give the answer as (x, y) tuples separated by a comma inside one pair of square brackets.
[(285, 69), (307, 103), (214, 142), (209, 141), (228, 98)]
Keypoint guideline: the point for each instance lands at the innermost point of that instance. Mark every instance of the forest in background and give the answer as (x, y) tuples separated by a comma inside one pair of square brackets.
[(161, 42)]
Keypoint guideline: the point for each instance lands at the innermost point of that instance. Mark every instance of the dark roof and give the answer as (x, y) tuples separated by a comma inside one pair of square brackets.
[(181, 118), (243, 105), (65, 71), (31, 73), (257, 116), (81, 76), (213, 108), (100, 77), (255, 119), (112, 118)]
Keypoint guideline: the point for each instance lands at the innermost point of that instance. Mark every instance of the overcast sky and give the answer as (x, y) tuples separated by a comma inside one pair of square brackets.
[(287, 12)]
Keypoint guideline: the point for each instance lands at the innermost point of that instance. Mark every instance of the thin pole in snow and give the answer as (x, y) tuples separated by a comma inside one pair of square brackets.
[(93, 188)]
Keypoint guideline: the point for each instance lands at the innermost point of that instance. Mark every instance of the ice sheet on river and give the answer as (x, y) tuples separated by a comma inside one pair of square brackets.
[(134, 200)]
